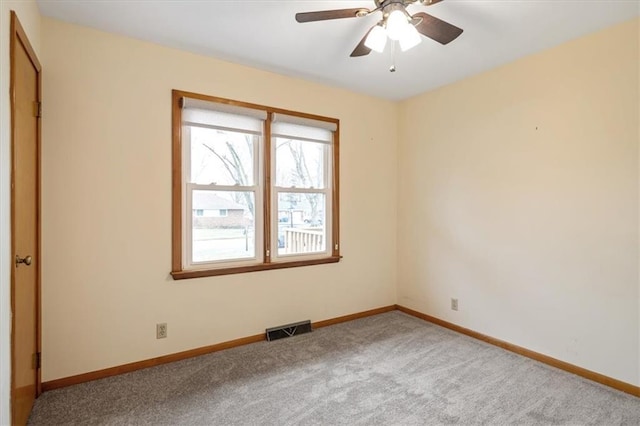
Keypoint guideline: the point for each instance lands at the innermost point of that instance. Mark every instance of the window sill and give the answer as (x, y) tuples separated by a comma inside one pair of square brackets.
[(199, 273)]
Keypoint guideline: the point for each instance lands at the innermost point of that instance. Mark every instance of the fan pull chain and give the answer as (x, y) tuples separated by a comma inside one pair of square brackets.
[(392, 68)]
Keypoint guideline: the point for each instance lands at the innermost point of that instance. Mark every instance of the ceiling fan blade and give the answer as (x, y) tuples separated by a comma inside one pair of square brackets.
[(324, 15), (361, 49), (430, 2), (436, 29)]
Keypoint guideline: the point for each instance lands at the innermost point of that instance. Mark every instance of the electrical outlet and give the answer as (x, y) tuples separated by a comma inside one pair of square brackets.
[(161, 330), (454, 304)]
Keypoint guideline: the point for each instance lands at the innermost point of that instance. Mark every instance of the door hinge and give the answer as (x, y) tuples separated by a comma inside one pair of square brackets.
[(37, 360), (37, 106)]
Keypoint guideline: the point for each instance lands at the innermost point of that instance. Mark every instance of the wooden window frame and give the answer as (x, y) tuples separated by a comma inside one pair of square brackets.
[(177, 270)]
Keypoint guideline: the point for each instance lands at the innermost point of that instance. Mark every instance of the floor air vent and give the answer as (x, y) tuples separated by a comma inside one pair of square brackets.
[(288, 330)]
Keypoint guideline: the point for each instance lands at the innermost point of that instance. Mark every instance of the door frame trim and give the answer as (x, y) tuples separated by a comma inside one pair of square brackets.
[(18, 35)]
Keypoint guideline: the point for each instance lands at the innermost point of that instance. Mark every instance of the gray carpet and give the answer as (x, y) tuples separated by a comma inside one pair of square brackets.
[(386, 369)]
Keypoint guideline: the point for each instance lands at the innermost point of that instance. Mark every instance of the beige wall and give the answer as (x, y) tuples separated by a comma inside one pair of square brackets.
[(29, 17), (107, 163), (518, 195)]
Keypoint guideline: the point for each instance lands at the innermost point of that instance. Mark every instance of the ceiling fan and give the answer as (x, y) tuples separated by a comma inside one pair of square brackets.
[(396, 24)]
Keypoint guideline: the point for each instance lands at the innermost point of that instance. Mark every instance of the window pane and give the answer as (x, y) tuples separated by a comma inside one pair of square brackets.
[(299, 164), (301, 223), (223, 225), (222, 157)]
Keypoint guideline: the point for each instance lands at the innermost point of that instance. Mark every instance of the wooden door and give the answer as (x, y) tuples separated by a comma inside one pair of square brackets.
[(25, 224)]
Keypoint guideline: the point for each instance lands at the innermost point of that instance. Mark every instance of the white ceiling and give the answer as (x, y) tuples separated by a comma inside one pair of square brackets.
[(264, 34)]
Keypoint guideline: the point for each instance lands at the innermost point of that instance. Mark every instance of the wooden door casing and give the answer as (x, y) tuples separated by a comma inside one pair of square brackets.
[(25, 95)]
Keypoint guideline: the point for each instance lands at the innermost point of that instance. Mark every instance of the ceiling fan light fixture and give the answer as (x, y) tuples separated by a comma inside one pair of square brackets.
[(377, 39), (397, 22), (410, 38)]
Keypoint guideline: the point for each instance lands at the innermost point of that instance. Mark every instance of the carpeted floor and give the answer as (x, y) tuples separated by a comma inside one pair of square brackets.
[(386, 369)]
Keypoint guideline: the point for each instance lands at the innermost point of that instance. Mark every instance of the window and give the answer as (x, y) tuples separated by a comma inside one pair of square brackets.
[(254, 187)]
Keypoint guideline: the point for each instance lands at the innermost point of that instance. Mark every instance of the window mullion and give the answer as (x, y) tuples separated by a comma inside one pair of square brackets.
[(328, 200), (326, 175), (267, 202), (188, 229), (186, 196)]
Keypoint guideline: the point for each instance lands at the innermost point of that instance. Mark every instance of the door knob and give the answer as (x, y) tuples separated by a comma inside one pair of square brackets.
[(26, 260)]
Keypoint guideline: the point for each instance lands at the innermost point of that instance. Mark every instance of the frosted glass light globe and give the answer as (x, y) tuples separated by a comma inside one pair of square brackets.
[(377, 39), (410, 38), (396, 24)]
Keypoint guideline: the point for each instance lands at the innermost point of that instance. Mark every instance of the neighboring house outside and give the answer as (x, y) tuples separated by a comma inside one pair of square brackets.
[(212, 211), (296, 213)]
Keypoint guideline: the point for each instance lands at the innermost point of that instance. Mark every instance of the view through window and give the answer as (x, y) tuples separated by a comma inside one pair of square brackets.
[(254, 187)]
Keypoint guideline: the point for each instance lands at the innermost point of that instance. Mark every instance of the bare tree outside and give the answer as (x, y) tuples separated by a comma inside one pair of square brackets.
[(223, 221), (234, 166), (304, 176)]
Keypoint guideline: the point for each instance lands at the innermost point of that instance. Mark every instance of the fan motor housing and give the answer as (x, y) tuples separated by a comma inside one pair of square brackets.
[(382, 4)]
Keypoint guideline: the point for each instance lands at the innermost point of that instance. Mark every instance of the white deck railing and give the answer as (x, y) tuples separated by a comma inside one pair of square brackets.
[(299, 240)]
